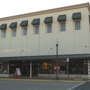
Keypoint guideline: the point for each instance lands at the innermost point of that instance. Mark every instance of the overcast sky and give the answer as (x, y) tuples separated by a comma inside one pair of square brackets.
[(15, 7)]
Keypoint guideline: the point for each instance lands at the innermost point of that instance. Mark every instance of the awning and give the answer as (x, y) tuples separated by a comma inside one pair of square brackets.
[(36, 21), (13, 25), (48, 20), (61, 18), (24, 23), (47, 57), (3, 26), (76, 16)]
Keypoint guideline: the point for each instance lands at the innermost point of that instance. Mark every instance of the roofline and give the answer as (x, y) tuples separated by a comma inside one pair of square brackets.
[(47, 11)]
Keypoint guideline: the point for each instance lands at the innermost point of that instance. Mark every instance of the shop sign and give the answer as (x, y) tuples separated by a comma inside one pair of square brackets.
[(17, 73), (63, 64), (56, 67), (60, 63)]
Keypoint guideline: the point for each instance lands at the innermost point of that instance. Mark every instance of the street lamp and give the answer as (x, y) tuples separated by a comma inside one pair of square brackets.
[(57, 42)]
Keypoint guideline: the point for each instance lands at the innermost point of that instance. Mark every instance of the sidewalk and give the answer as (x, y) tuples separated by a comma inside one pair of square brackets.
[(45, 79)]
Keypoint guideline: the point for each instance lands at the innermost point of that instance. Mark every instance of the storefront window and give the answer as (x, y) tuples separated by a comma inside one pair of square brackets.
[(45, 68), (78, 68), (3, 68), (45, 65), (0, 68), (50, 67), (61, 67)]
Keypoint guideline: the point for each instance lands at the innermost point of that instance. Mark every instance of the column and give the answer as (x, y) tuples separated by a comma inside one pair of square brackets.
[(88, 69), (31, 69), (8, 69), (67, 67)]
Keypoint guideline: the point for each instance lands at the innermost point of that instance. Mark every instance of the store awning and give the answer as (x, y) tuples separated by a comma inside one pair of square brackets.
[(13, 25), (48, 20), (3, 26), (47, 57), (35, 21), (76, 16), (24, 23), (61, 18)]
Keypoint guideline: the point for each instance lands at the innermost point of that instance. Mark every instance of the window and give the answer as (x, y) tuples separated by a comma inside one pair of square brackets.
[(24, 31), (4, 68), (3, 32), (13, 32), (77, 25), (36, 30), (49, 28), (62, 26)]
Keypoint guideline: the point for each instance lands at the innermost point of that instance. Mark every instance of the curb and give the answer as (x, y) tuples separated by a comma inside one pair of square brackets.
[(38, 80)]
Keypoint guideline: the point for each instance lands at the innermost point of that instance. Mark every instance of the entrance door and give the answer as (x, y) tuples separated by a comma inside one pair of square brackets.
[(35, 70), (25, 69)]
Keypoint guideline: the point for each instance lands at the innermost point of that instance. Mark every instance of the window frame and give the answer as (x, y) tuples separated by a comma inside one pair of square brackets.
[(61, 27), (77, 27), (24, 34), (47, 28), (12, 32), (35, 32), (2, 33)]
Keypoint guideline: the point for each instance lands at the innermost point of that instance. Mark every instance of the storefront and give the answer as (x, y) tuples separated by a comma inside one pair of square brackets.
[(78, 64)]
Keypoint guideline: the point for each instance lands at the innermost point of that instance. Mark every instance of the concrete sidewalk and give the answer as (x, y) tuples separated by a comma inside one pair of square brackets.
[(46, 79)]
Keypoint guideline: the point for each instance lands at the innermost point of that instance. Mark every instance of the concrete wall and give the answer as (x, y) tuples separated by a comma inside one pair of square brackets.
[(4, 75), (70, 42), (64, 75)]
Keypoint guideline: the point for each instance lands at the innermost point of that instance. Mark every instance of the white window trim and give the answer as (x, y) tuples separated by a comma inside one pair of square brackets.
[(51, 27), (34, 29), (74, 25), (1, 33), (22, 31), (12, 31), (60, 26)]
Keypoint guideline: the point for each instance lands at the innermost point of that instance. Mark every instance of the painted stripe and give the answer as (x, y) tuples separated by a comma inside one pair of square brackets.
[(75, 86)]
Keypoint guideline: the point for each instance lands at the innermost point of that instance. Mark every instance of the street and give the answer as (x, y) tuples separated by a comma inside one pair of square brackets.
[(28, 85), (85, 86)]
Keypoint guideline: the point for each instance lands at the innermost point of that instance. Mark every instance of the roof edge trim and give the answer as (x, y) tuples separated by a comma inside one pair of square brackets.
[(47, 11)]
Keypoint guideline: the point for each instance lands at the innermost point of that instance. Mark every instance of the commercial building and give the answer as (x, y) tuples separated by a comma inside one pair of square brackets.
[(27, 42)]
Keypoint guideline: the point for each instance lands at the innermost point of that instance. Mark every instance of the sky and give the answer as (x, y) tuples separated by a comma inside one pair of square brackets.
[(16, 7)]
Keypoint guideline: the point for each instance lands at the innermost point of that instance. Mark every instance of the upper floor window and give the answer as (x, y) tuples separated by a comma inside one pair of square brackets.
[(13, 32), (36, 29), (62, 26), (3, 33), (49, 28), (24, 31), (77, 25)]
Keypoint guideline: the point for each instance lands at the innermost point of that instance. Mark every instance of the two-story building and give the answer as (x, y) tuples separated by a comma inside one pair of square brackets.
[(28, 42)]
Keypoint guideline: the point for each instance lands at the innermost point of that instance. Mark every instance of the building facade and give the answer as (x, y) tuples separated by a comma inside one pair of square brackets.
[(28, 42)]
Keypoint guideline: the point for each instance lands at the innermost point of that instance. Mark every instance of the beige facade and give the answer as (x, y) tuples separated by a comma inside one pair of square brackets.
[(71, 41)]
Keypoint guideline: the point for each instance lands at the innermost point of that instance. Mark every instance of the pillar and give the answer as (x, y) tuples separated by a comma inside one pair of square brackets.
[(31, 69)]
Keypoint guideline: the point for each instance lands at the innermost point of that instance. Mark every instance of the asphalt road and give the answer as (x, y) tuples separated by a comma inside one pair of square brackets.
[(27, 85), (85, 86)]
